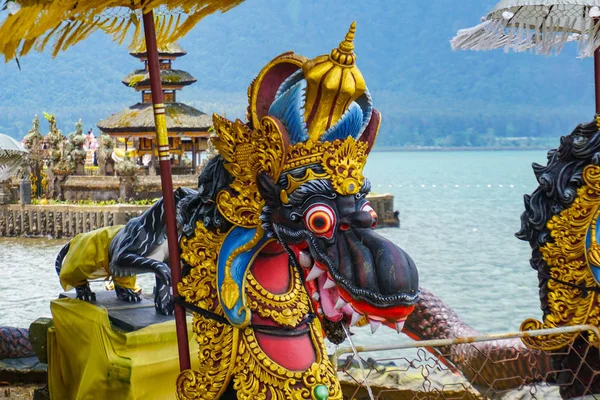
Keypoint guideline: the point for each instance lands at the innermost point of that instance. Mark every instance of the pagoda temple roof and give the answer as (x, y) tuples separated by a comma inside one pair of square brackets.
[(169, 50), (139, 118), (141, 77)]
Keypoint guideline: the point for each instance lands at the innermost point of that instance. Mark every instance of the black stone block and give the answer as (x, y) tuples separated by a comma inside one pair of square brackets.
[(126, 316)]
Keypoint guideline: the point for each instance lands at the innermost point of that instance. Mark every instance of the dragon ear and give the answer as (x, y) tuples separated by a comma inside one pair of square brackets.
[(370, 133), (262, 91), (268, 189)]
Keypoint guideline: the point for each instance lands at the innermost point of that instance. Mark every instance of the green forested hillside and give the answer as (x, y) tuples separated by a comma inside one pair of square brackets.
[(428, 95)]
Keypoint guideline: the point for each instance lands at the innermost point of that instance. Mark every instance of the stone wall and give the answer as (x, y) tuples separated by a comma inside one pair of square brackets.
[(61, 220), (104, 188), (69, 220)]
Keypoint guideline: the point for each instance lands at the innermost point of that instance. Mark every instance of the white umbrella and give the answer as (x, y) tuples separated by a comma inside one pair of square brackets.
[(11, 156), (540, 26)]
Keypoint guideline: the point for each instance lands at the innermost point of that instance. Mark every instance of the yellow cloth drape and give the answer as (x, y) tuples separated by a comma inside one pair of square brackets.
[(88, 359), (87, 259)]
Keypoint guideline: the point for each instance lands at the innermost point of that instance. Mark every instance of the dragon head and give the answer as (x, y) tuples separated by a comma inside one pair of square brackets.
[(297, 178)]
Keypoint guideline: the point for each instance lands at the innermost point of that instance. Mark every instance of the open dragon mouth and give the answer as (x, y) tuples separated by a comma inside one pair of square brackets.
[(363, 277)]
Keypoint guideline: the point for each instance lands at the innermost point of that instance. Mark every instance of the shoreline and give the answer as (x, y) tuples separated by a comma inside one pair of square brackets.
[(390, 149)]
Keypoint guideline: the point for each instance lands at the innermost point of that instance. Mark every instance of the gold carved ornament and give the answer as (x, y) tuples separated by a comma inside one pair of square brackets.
[(333, 83), (247, 153), (257, 377), (568, 261), (342, 160), (227, 352), (218, 342), (286, 309)]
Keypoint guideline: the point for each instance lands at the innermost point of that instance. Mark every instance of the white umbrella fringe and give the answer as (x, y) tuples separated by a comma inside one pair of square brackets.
[(528, 26), (12, 156), (10, 162)]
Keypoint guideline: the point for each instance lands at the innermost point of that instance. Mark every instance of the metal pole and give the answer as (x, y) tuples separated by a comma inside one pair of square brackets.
[(597, 78), (162, 139)]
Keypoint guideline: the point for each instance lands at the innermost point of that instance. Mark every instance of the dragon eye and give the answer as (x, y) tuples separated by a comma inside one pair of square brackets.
[(367, 207), (320, 219)]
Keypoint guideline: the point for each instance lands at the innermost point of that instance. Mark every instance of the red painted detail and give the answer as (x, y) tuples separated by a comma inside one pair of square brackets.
[(270, 84), (299, 246), (271, 269), (258, 320), (397, 313), (273, 248), (317, 99), (295, 353), (371, 130), (344, 226)]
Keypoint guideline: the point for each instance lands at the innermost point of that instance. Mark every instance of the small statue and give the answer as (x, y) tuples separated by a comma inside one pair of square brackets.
[(75, 150), (126, 167), (106, 164), (34, 143)]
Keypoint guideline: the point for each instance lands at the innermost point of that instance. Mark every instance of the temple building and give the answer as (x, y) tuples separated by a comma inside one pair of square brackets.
[(134, 128)]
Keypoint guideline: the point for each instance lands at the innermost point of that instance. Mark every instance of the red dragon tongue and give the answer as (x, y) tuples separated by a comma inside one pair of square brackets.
[(329, 298), (388, 314)]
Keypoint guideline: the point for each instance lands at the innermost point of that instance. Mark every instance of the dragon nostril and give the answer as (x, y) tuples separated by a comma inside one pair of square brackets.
[(344, 226), (360, 219)]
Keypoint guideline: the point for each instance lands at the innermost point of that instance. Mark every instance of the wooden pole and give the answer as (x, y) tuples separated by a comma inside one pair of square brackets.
[(162, 140), (194, 154)]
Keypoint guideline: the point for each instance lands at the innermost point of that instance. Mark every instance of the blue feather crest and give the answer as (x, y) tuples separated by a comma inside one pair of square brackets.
[(288, 107)]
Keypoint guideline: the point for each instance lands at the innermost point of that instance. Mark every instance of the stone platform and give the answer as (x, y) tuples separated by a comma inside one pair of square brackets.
[(66, 221)]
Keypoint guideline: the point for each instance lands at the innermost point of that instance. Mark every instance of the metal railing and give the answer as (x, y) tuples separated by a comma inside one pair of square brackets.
[(494, 366)]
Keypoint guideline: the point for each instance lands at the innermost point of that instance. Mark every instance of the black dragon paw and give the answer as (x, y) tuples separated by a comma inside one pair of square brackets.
[(127, 294), (163, 272), (163, 299), (84, 292)]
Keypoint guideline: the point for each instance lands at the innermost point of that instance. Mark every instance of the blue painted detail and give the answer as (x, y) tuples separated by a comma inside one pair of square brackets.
[(595, 269), (596, 272), (289, 109), (237, 238), (349, 125), (366, 103), (289, 82)]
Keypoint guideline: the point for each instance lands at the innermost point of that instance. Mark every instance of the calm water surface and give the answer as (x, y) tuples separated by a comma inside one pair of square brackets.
[(459, 213)]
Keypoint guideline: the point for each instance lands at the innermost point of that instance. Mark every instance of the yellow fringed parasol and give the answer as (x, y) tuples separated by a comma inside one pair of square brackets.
[(33, 24)]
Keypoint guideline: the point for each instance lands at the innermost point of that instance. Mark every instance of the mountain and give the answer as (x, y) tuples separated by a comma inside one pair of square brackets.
[(428, 94)]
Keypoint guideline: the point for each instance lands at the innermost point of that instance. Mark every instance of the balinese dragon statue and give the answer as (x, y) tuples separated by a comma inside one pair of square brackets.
[(278, 244), (279, 250)]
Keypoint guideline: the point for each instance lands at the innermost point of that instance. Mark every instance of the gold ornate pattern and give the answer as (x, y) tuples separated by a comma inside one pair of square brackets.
[(333, 83), (217, 341), (218, 348), (201, 253), (257, 377), (345, 163), (566, 256), (248, 153), (226, 351), (342, 160), (286, 309), (294, 183), (33, 178)]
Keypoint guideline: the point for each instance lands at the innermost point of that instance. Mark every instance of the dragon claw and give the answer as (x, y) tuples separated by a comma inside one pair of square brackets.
[(84, 292), (127, 294), (163, 299)]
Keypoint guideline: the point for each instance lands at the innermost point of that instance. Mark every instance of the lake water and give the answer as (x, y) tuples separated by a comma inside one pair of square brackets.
[(459, 212)]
